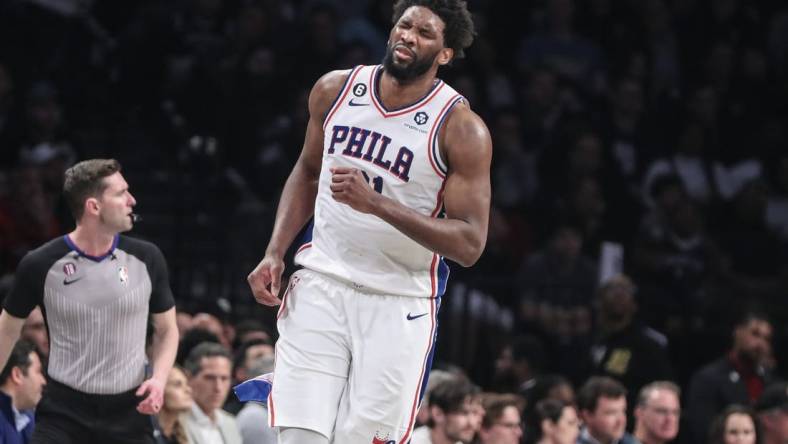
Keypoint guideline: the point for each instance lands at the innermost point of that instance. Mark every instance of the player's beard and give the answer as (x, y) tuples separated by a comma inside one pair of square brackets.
[(407, 72)]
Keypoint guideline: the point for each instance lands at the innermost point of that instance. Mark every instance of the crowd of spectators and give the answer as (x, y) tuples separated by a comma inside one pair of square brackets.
[(640, 180)]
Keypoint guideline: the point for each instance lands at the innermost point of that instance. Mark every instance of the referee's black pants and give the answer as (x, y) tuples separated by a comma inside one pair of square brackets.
[(68, 416)]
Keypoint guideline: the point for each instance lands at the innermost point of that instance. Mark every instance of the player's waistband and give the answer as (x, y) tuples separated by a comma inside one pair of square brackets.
[(354, 286)]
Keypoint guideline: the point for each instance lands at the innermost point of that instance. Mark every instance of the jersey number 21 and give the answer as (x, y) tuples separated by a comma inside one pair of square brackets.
[(377, 182)]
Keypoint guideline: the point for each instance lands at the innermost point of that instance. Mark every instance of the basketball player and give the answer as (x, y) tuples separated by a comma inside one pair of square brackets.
[(395, 171), (96, 289)]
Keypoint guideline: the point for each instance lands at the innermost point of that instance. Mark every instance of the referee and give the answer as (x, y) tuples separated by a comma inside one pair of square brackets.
[(96, 289)]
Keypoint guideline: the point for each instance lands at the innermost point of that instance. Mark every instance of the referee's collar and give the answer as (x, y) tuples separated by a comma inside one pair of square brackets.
[(81, 253)]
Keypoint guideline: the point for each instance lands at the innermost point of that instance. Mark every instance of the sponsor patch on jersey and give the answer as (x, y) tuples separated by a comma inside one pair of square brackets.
[(123, 275), (69, 268), (421, 118)]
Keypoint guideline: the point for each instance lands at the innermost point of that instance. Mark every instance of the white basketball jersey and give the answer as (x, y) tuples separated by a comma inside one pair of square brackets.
[(398, 152)]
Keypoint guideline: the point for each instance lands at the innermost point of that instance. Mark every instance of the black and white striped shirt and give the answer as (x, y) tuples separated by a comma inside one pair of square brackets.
[(96, 309)]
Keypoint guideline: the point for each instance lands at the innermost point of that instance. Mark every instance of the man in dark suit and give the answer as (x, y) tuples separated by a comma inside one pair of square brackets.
[(624, 348), (738, 377), (21, 383), (602, 405)]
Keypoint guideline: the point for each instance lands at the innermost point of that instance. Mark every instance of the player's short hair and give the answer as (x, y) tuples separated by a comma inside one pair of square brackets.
[(598, 387), (20, 357), (193, 364), (459, 31), (85, 180)]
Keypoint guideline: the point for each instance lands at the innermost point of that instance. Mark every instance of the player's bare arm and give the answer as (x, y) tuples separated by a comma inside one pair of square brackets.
[(461, 236), (297, 203)]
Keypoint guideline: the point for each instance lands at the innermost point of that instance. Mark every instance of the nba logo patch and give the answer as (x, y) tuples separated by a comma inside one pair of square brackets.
[(69, 268), (123, 275)]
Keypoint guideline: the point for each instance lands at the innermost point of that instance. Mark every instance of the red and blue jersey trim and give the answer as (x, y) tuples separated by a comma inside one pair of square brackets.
[(425, 369), (439, 276), (386, 113), (306, 238), (341, 96), (437, 163)]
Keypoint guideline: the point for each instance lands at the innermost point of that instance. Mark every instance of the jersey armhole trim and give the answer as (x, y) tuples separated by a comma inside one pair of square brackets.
[(341, 95), (436, 161)]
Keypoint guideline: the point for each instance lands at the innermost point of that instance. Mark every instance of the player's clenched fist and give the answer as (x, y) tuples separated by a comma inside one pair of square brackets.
[(265, 280), (350, 187)]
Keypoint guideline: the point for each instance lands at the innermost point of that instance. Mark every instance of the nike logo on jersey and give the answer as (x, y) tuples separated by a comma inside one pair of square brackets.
[(412, 317), (69, 282), (352, 103)]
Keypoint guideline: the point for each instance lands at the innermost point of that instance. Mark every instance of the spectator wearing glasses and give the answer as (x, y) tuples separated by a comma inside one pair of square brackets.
[(657, 413), (501, 423)]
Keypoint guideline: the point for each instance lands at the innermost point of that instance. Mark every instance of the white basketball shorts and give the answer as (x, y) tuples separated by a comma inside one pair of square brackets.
[(350, 365)]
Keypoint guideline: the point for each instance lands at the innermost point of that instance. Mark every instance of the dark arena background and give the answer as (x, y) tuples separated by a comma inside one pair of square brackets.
[(643, 138)]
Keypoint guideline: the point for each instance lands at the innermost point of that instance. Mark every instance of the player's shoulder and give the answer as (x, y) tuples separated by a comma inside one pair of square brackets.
[(334, 79), (45, 255), (463, 124), (461, 114), (329, 85)]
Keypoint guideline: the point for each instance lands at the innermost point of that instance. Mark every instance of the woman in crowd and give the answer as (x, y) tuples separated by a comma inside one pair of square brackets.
[(735, 425), (554, 422), (177, 400)]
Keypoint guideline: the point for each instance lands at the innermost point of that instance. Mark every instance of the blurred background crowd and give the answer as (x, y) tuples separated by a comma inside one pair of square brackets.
[(640, 171)]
